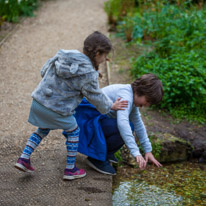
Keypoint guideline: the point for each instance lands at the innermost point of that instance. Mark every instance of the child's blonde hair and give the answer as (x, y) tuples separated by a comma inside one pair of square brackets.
[(96, 42)]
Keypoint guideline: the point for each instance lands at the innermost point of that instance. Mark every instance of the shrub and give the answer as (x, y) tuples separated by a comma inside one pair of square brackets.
[(116, 9), (11, 10), (183, 76), (177, 35)]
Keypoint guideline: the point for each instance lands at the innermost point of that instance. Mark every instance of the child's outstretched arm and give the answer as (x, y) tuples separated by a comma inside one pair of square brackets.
[(143, 137), (96, 97), (127, 135)]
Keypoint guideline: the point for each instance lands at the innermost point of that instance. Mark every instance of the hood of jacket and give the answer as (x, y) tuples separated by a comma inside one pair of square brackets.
[(69, 63)]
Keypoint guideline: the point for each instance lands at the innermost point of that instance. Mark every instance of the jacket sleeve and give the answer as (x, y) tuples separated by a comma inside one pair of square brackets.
[(96, 97), (140, 129)]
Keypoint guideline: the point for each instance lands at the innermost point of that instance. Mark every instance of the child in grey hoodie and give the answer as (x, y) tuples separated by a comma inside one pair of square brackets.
[(66, 79)]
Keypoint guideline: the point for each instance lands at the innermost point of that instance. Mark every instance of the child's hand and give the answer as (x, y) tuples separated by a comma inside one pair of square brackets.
[(120, 105), (149, 156), (141, 161)]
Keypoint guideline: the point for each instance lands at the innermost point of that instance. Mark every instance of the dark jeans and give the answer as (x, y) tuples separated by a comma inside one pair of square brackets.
[(112, 135)]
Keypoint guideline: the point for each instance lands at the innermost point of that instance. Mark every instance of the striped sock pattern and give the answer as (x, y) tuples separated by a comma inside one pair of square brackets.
[(34, 141), (72, 146)]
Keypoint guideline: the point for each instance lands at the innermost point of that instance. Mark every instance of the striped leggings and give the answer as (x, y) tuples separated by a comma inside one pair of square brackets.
[(72, 140)]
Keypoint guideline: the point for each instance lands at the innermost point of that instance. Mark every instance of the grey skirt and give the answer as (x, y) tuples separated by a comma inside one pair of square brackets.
[(43, 117)]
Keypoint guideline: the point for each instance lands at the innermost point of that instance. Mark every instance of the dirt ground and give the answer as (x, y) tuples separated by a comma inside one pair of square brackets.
[(58, 24)]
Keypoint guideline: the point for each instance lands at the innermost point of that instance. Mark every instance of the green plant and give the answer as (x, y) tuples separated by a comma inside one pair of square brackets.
[(183, 76), (1, 21), (116, 9), (118, 156), (130, 28), (156, 146), (11, 10), (178, 56)]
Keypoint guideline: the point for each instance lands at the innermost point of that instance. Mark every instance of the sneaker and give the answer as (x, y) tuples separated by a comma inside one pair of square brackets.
[(24, 165), (112, 159), (70, 174), (101, 166)]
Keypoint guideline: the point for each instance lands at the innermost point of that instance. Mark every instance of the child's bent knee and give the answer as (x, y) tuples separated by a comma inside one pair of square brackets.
[(69, 133)]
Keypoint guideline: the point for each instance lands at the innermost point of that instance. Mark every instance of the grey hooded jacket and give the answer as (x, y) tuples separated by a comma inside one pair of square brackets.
[(66, 78)]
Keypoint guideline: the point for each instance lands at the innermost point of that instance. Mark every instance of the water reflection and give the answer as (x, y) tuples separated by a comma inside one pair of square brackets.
[(141, 194), (173, 184)]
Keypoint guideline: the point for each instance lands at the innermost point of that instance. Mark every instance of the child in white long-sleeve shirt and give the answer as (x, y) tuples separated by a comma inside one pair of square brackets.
[(112, 131)]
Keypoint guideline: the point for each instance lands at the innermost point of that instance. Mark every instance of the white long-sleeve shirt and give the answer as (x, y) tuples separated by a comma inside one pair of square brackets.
[(124, 91)]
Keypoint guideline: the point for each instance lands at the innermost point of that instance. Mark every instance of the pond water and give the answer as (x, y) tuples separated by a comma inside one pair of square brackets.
[(173, 184)]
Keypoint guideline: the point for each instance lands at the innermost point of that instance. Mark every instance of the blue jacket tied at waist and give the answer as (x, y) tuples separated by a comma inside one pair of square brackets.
[(91, 139)]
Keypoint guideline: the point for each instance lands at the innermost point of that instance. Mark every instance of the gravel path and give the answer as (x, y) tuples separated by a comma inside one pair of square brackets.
[(58, 24)]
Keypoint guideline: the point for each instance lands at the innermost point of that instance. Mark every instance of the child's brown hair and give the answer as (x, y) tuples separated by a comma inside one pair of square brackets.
[(150, 86), (96, 42)]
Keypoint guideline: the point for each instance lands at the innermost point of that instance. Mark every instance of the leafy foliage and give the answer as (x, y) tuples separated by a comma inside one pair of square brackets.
[(11, 10), (119, 157), (183, 76), (116, 9), (156, 146), (177, 34)]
